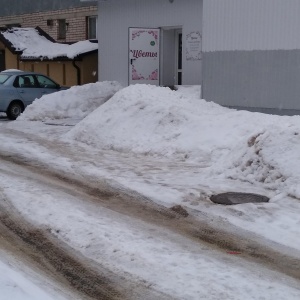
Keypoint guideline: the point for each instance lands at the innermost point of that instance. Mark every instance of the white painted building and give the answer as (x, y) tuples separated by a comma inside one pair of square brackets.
[(126, 26), (245, 53)]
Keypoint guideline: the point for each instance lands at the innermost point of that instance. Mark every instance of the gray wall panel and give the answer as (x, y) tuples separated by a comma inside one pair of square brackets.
[(251, 25), (257, 79)]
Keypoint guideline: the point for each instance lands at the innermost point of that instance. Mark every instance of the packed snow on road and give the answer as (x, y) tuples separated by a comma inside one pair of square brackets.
[(176, 149)]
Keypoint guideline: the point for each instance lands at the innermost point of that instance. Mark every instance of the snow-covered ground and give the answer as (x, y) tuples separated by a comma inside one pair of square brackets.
[(212, 149), (15, 286), (19, 282), (175, 148)]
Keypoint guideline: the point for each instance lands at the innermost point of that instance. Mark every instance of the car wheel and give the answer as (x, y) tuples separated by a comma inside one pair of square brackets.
[(14, 110)]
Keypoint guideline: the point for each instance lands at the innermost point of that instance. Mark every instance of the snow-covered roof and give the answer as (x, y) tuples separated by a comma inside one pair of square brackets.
[(33, 43)]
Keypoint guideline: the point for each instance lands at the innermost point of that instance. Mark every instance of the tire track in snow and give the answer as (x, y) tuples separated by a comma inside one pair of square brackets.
[(65, 265), (218, 235)]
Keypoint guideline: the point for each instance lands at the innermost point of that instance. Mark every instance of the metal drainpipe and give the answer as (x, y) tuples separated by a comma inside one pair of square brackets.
[(78, 72)]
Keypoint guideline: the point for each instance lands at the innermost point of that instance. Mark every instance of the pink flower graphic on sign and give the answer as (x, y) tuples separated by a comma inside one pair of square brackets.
[(153, 75), (154, 33), (137, 33), (135, 75), (138, 76)]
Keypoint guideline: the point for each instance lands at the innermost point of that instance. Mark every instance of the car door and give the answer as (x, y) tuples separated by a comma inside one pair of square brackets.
[(47, 86), (27, 88)]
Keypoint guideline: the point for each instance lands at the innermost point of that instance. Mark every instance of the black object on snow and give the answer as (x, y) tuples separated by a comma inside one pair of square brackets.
[(232, 198)]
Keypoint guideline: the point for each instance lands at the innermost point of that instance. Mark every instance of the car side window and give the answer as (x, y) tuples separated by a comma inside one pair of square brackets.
[(45, 82), (16, 82), (25, 81)]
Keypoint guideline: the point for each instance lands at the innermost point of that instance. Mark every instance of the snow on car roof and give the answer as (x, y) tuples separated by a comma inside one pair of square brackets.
[(11, 70)]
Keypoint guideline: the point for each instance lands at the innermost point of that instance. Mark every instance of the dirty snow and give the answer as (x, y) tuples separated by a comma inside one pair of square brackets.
[(214, 149), (19, 285), (69, 103), (175, 148)]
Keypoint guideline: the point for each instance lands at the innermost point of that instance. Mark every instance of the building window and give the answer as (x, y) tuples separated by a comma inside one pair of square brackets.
[(62, 29), (92, 27)]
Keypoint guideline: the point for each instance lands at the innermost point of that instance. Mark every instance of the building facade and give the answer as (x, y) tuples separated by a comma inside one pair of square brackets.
[(64, 21), (245, 54), (155, 42)]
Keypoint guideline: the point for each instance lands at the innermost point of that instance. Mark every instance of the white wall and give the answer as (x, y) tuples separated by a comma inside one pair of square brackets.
[(251, 25), (251, 54), (116, 16)]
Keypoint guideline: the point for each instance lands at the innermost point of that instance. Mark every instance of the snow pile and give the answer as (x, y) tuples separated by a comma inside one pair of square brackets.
[(76, 102), (153, 120), (193, 91), (12, 70), (271, 156), (33, 45), (156, 121)]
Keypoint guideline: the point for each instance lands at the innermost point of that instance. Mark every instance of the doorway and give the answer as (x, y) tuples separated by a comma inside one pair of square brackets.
[(171, 66), (178, 57), (155, 56)]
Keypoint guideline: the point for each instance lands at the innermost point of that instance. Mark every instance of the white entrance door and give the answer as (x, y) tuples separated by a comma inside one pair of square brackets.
[(144, 55)]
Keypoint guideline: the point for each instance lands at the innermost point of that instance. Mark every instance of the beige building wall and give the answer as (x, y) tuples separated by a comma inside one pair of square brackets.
[(89, 72), (11, 61), (75, 17), (71, 75), (63, 72)]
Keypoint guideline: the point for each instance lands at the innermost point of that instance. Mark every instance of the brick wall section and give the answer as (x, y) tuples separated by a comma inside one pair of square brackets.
[(75, 17)]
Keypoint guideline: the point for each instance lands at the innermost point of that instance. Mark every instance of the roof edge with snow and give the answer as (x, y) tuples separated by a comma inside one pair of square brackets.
[(22, 45)]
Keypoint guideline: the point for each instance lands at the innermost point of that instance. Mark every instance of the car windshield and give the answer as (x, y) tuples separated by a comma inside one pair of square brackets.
[(3, 78)]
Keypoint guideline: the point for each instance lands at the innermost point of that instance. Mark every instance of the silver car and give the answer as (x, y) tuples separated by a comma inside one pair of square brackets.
[(19, 89)]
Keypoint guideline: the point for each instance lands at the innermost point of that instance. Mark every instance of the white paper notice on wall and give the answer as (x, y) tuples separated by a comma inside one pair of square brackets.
[(194, 46)]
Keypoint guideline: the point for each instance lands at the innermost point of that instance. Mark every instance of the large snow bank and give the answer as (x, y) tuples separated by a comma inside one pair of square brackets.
[(270, 155), (156, 121), (76, 102), (152, 120)]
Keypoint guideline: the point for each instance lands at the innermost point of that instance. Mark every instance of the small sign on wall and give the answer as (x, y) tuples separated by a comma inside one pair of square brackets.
[(193, 46)]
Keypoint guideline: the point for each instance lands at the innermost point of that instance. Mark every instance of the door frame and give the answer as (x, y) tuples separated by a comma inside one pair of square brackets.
[(178, 70), (175, 53), (129, 63)]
